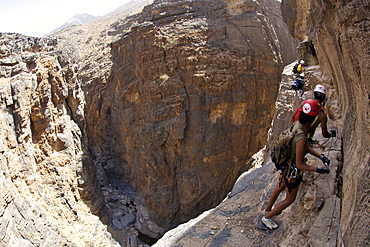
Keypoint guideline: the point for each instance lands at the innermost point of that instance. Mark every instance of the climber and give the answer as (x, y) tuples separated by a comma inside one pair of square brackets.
[(299, 148), (320, 97), (298, 68), (298, 84)]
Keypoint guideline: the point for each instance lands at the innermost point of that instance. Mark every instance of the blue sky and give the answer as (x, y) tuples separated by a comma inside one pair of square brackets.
[(39, 17)]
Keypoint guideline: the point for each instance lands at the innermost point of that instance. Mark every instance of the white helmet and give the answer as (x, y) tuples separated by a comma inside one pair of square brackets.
[(319, 88), (301, 62)]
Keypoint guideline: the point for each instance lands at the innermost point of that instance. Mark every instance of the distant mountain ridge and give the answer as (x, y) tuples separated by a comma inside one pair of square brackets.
[(78, 19), (129, 8)]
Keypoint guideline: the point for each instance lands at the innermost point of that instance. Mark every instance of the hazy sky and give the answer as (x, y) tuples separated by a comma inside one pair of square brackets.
[(39, 17)]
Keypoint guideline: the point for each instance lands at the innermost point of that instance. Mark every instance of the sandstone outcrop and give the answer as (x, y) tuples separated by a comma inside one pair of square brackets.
[(189, 100)]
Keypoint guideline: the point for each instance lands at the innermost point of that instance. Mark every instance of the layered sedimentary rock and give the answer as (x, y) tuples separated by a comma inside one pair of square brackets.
[(340, 33), (172, 116), (44, 189), (175, 106), (312, 220), (189, 100), (339, 37)]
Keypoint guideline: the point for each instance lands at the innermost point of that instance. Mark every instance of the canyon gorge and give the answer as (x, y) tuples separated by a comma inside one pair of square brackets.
[(153, 125)]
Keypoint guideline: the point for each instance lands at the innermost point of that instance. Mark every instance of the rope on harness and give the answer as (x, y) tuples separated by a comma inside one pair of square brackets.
[(322, 144)]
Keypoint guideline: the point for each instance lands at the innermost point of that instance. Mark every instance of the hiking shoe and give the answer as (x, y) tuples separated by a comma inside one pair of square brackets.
[(265, 212), (269, 223)]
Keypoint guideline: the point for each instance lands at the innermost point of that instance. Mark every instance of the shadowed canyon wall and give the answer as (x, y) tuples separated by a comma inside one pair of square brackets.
[(188, 102)]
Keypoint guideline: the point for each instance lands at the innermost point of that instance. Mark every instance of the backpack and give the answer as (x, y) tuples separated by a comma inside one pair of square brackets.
[(281, 152), (298, 84), (295, 68)]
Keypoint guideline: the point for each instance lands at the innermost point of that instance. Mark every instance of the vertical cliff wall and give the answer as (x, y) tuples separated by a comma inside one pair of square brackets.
[(340, 33), (189, 99)]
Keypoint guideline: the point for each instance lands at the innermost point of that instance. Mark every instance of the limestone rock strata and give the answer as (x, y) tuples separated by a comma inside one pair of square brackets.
[(42, 155), (189, 100)]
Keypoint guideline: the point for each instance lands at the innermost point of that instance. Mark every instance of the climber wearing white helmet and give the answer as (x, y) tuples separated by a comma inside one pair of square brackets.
[(322, 118), (319, 92)]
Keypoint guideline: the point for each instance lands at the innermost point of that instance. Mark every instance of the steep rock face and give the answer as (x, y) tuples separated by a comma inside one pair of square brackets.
[(42, 155), (288, 101), (339, 31), (189, 100), (312, 220)]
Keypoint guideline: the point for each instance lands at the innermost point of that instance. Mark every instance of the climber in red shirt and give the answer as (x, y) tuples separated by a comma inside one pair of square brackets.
[(320, 97)]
